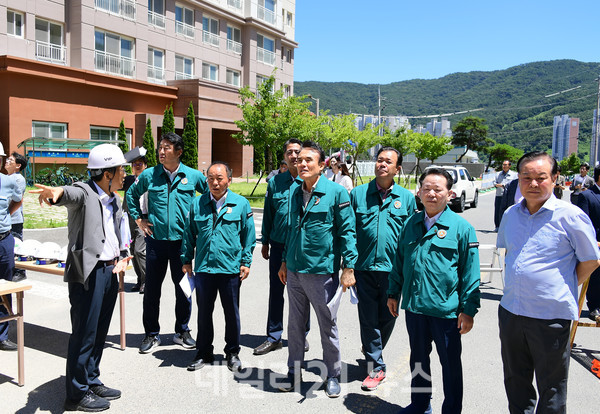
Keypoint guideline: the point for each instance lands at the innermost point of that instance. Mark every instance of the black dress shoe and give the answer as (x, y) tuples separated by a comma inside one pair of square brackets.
[(233, 363), (105, 392), (594, 314), (199, 362), (8, 345), (19, 277), (306, 345), (267, 347), (90, 403)]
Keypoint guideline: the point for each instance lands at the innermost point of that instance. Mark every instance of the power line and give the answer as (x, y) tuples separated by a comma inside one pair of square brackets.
[(518, 131)]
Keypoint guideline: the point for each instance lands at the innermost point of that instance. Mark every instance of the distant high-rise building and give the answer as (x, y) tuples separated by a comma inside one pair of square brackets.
[(439, 128), (595, 144), (565, 133)]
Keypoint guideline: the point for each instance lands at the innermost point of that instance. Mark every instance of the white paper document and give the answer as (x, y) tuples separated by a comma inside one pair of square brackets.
[(187, 285)]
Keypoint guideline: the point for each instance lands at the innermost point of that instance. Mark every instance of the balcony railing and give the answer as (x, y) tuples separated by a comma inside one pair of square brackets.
[(235, 47), (265, 56), (156, 74), (48, 52), (182, 75), (212, 38), (156, 19), (184, 29), (124, 8), (114, 64), (236, 4), (266, 15)]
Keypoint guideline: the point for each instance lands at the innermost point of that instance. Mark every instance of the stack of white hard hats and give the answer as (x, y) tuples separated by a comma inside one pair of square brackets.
[(27, 249), (48, 251)]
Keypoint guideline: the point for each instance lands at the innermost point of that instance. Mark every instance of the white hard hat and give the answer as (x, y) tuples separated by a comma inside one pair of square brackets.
[(47, 250), (2, 154), (62, 255), (105, 156), (29, 247), (18, 243)]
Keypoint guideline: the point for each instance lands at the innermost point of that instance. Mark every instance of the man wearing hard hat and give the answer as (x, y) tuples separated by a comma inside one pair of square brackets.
[(9, 203), (93, 261)]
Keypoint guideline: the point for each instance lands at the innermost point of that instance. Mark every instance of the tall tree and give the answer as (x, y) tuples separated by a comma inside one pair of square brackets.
[(123, 145), (149, 144), (269, 119), (168, 120), (433, 147), (471, 133), (190, 139), (500, 152), (570, 165)]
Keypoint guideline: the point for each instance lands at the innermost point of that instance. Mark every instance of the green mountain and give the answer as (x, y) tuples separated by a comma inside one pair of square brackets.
[(513, 101)]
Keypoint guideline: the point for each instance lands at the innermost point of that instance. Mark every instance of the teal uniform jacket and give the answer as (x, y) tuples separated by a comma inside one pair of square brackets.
[(323, 233), (168, 203), (378, 224), (437, 271), (274, 224), (224, 244)]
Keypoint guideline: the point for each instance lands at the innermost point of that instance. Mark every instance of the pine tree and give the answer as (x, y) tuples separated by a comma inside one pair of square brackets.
[(122, 136), (149, 145), (190, 140), (168, 120)]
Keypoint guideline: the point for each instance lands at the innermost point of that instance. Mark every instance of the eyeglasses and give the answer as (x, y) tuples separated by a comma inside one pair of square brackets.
[(137, 164)]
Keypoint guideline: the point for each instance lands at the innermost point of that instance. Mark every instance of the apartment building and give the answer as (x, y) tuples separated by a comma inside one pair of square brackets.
[(565, 135), (76, 68)]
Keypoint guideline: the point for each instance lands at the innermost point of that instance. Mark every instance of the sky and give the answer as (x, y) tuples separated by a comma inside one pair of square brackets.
[(384, 41)]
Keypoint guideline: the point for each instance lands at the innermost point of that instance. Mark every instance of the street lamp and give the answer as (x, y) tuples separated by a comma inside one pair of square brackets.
[(316, 100)]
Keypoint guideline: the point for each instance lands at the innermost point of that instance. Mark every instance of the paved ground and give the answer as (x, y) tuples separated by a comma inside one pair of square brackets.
[(159, 382)]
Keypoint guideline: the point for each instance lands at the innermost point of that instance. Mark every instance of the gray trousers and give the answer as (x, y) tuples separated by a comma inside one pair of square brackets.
[(306, 289), (138, 250)]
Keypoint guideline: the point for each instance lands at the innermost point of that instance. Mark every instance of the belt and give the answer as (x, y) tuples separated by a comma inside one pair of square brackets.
[(4, 235), (106, 263)]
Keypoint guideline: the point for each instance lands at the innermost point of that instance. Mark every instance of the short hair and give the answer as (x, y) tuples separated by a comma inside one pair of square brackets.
[(399, 162), (174, 139), (585, 165), (96, 175), (534, 155), (316, 147), (508, 161), (224, 164), (437, 171), (291, 141), (282, 162), (596, 173), (21, 160)]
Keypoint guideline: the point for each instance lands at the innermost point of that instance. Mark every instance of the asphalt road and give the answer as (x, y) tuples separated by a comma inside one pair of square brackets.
[(159, 382)]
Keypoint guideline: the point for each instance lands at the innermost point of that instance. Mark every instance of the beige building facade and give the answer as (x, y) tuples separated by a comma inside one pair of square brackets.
[(76, 68)]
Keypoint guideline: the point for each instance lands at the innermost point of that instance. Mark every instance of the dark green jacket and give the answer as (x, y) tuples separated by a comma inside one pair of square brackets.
[(168, 203), (437, 271), (323, 233), (221, 246), (274, 224), (378, 224)]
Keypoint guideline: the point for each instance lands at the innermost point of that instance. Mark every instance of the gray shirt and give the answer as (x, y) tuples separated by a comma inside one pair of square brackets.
[(504, 178)]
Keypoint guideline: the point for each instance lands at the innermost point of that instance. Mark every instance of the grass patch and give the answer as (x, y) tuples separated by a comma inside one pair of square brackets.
[(42, 223)]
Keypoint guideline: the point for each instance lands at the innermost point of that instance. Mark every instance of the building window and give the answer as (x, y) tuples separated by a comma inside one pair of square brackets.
[(210, 31), (288, 56), (49, 42), (266, 11), (109, 134), (233, 77), (124, 8), (40, 129), (156, 65), (287, 90), (234, 39), (288, 19), (114, 54), (15, 23), (184, 20), (210, 72), (156, 13), (260, 79), (265, 51), (184, 67)]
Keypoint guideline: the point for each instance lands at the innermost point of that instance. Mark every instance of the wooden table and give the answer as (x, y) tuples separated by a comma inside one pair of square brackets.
[(53, 269), (6, 290)]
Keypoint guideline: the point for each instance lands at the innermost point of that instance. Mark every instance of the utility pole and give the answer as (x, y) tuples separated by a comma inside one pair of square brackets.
[(597, 129)]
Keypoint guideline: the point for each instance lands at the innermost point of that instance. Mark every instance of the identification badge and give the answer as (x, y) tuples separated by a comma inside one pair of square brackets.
[(229, 210), (397, 204), (317, 200), (184, 180), (441, 234)]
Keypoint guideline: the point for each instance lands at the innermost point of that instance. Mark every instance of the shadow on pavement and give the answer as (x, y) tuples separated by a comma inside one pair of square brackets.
[(365, 403), (48, 397), (585, 358), (46, 340)]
